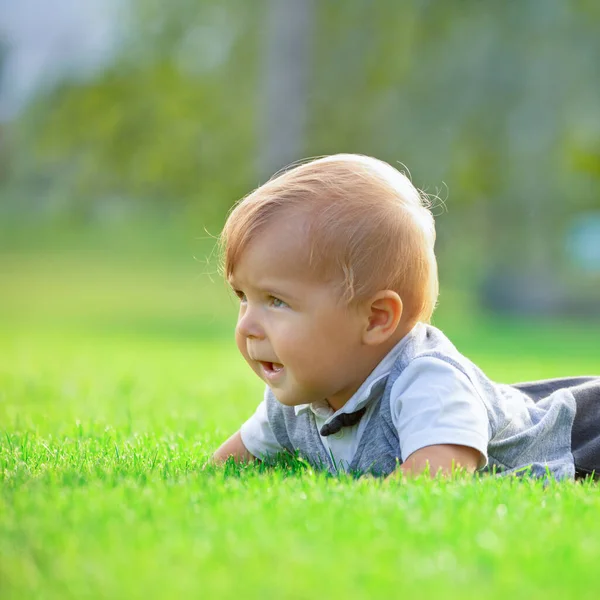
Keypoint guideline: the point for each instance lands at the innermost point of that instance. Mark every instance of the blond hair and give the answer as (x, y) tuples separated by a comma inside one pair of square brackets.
[(367, 225)]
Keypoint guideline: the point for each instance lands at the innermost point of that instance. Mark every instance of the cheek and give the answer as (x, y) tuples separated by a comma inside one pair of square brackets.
[(332, 341), (305, 346), (293, 334)]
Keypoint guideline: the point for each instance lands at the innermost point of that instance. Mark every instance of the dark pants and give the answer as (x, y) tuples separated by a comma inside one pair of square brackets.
[(585, 438)]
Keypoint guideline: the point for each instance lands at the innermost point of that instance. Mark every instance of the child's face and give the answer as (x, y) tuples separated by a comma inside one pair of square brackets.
[(292, 329)]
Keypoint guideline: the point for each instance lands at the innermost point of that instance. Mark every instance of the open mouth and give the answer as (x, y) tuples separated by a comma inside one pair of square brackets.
[(271, 369)]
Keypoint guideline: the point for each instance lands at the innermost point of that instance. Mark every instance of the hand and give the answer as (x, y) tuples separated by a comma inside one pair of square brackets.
[(234, 447)]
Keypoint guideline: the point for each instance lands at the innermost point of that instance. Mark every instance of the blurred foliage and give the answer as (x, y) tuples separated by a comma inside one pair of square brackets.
[(497, 100), (493, 106), (169, 124)]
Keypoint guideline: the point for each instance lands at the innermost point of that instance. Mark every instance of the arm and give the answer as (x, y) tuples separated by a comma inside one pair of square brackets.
[(234, 447), (442, 457)]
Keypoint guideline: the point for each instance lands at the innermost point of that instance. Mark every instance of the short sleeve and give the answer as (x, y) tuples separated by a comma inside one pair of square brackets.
[(432, 402), (257, 434)]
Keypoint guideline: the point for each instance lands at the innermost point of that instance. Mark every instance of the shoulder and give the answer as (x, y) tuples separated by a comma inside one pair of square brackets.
[(433, 342), (430, 358), (432, 376), (432, 389), (427, 341)]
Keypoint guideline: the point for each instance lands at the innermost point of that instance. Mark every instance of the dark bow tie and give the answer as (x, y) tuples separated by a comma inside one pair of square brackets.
[(343, 420)]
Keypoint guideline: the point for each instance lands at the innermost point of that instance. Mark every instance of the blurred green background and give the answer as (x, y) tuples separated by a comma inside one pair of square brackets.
[(130, 128)]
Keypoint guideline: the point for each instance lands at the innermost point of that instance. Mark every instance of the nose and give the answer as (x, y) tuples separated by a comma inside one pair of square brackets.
[(248, 324)]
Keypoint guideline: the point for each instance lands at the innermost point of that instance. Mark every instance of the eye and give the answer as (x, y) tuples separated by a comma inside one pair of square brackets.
[(240, 295), (277, 303)]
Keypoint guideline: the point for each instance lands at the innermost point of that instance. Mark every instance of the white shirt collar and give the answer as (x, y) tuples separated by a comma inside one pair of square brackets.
[(371, 386)]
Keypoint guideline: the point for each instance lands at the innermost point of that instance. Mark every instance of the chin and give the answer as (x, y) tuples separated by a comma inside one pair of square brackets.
[(286, 399)]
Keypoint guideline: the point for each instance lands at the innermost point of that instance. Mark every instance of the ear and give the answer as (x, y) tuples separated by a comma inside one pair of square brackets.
[(383, 312)]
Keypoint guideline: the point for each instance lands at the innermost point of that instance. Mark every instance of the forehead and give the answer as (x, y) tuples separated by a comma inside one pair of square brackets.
[(279, 250)]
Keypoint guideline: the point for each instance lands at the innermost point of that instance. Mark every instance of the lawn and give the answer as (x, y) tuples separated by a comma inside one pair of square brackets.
[(118, 379)]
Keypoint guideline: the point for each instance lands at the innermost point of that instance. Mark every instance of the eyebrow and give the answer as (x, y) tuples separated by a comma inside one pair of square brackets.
[(265, 290)]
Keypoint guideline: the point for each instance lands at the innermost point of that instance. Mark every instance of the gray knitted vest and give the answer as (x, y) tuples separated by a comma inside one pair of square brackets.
[(522, 432), (378, 451)]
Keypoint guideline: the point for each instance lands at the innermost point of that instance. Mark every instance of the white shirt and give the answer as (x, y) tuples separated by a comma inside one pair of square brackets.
[(431, 403)]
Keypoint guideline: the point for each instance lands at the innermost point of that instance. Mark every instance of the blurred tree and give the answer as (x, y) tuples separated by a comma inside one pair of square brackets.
[(3, 142), (481, 98), (171, 122), (286, 67)]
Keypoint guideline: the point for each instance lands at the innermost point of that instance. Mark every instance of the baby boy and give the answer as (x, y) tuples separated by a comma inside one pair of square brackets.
[(333, 264)]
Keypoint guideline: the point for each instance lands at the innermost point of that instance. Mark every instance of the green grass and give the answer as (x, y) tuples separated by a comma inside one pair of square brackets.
[(118, 380)]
